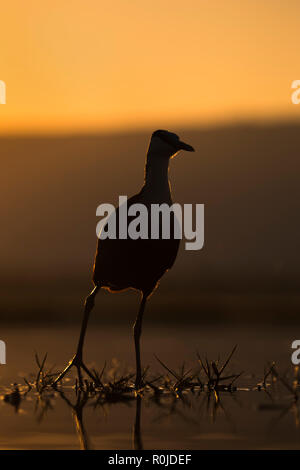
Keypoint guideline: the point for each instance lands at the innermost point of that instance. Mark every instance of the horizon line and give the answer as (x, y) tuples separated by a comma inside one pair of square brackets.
[(141, 130)]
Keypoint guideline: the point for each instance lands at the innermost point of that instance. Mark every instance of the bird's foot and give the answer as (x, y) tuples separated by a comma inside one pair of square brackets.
[(79, 364), (138, 388), (139, 384)]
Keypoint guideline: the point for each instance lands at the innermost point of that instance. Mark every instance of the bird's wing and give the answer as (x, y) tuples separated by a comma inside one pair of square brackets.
[(134, 261)]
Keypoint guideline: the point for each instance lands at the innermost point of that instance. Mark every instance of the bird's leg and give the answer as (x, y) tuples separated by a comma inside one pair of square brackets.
[(77, 359), (137, 330)]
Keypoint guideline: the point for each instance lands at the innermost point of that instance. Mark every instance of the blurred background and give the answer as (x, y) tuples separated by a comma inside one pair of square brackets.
[(87, 83)]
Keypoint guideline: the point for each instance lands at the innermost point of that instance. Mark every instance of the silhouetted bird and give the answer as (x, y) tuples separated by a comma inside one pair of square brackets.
[(139, 264)]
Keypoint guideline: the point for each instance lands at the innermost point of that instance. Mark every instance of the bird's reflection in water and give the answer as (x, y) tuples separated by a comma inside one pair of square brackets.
[(193, 408), (168, 406), (82, 399), (190, 408), (77, 412), (137, 433)]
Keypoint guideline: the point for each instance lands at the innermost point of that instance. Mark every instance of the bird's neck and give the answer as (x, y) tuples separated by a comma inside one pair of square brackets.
[(157, 172)]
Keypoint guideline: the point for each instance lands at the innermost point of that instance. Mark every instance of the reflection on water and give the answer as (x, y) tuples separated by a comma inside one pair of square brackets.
[(77, 411), (250, 417), (138, 442), (238, 419)]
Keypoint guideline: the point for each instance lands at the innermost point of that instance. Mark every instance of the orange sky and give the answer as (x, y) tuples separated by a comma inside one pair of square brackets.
[(72, 65)]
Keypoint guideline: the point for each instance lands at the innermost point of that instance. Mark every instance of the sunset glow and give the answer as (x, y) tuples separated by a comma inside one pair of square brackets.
[(92, 66)]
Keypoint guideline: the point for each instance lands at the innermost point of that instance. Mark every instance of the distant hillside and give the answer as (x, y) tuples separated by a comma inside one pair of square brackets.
[(247, 177)]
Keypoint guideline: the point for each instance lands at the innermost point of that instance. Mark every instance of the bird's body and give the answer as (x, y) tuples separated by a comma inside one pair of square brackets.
[(137, 263)]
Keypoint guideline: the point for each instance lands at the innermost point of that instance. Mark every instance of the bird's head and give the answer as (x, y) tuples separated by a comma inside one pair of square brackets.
[(167, 144)]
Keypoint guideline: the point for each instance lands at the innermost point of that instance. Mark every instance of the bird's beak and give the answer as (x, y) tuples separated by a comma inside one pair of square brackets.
[(187, 147)]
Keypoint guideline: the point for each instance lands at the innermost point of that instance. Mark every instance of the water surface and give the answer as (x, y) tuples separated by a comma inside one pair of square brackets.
[(244, 419)]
